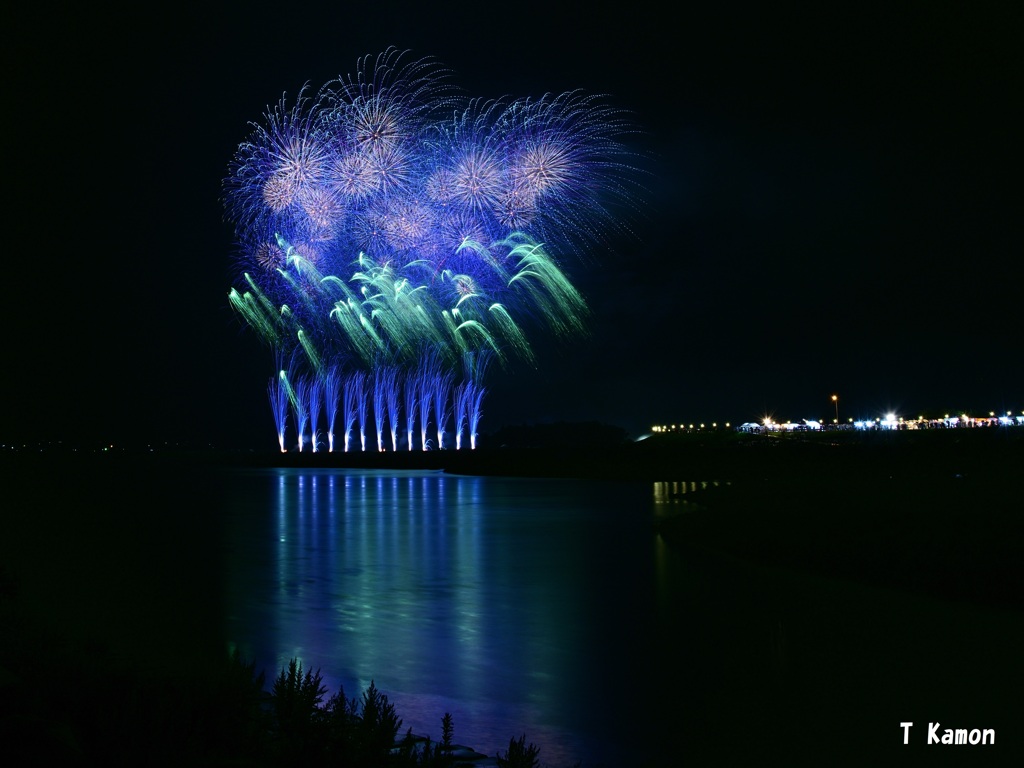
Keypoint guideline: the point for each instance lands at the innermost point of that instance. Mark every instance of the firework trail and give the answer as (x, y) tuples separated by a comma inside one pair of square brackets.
[(428, 374), (301, 409), (278, 394), (385, 404), (384, 220), (315, 405), (351, 396), (411, 392), (468, 399), (332, 387), (391, 397)]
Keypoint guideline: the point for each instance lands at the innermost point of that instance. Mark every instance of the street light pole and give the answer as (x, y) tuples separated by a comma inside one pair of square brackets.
[(835, 401)]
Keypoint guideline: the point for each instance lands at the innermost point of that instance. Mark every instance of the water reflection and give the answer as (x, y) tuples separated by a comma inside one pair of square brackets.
[(511, 603), (551, 608), (668, 494)]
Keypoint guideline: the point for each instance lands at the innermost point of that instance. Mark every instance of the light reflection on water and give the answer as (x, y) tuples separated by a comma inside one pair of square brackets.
[(669, 496), (518, 605)]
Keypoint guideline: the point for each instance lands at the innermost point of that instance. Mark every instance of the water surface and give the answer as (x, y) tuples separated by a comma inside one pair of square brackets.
[(549, 608), (518, 605)]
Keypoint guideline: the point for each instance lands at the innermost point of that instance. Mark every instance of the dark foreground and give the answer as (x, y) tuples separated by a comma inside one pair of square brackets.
[(887, 574), (858, 582)]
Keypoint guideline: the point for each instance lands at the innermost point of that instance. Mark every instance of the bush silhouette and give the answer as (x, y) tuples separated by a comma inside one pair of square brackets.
[(376, 728), (295, 703), (519, 755), (221, 716), (431, 755)]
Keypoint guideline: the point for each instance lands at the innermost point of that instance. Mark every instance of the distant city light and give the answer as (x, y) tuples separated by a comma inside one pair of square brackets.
[(890, 420)]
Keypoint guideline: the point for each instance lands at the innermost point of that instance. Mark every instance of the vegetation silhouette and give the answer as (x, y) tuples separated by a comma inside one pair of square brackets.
[(74, 711), (343, 731), (301, 729), (519, 755)]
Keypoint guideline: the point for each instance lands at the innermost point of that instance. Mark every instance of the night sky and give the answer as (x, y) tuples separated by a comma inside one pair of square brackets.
[(833, 205)]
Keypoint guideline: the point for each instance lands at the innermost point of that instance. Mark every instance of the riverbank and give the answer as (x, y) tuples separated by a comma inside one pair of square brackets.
[(934, 512), (883, 580), (713, 455)]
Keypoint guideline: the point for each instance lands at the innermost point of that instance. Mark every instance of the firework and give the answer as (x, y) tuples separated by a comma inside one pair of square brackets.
[(301, 409), (389, 228), (278, 395), (332, 395)]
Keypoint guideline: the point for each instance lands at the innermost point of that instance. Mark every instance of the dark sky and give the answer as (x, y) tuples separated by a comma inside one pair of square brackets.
[(833, 206)]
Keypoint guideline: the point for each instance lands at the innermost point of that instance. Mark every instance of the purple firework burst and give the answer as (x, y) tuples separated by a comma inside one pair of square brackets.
[(384, 218)]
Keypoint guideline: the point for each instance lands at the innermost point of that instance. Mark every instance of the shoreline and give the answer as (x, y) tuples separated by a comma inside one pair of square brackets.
[(989, 453), (931, 510)]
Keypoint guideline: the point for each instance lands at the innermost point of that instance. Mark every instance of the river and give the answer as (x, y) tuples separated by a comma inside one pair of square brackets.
[(545, 607)]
